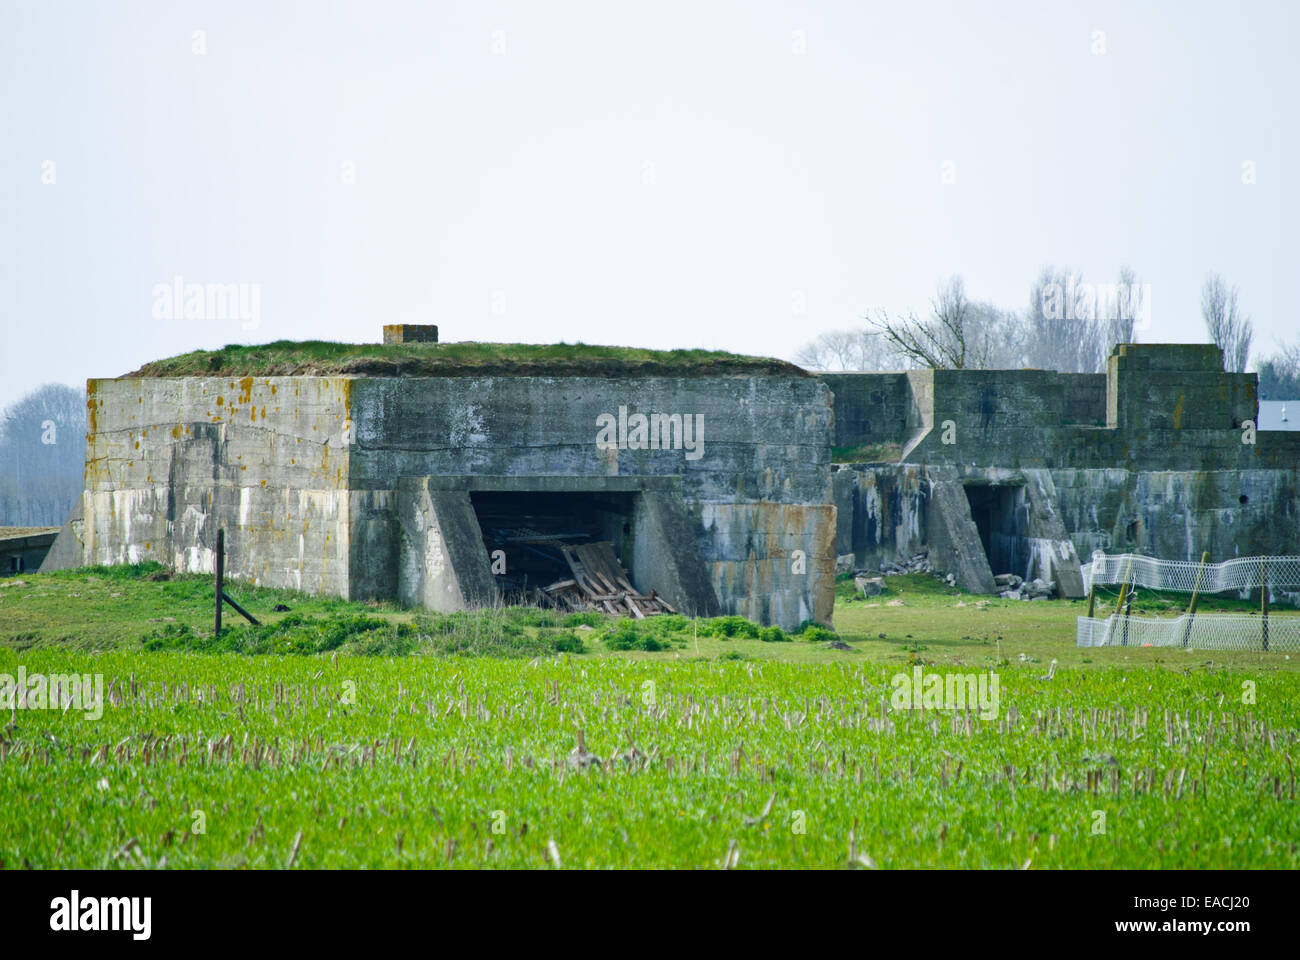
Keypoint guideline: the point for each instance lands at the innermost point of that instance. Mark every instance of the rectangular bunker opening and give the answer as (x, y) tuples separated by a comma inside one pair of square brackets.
[(1001, 515), (524, 533)]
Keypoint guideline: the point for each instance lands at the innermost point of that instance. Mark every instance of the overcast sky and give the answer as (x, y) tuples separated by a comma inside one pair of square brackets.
[(738, 175)]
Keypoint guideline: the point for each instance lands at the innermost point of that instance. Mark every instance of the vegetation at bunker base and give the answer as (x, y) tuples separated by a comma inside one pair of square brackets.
[(466, 358), (450, 754)]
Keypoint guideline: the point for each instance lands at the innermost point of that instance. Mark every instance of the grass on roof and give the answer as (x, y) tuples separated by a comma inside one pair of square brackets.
[(468, 358)]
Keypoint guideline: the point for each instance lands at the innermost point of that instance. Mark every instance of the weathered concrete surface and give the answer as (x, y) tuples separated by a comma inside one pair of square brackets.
[(1155, 456), (170, 460), (758, 491), (666, 556), (441, 563), (1054, 552), (1176, 514), (303, 472), (771, 562), (880, 512), (68, 549)]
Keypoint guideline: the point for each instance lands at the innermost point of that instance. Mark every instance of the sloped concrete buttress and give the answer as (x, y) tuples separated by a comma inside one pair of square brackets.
[(67, 550), (666, 555), (441, 562), (1054, 550), (954, 538)]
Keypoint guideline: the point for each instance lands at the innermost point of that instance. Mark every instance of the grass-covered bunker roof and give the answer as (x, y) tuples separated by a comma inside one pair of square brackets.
[(468, 358)]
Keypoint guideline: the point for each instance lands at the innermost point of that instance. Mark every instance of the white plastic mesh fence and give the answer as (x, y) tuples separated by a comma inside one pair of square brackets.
[(1241, 573), (1199, 631)]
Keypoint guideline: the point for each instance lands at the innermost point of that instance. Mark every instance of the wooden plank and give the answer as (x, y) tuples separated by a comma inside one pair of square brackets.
[(663, 603)]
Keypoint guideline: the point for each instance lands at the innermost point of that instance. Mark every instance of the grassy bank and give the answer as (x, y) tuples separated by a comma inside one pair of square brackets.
[(466, 358)]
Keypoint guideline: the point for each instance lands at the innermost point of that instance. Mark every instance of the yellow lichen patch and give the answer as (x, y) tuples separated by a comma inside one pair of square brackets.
[(273, 390), (177, 432), (1178, 413), (220, 400), (264, 413), (245, 389)]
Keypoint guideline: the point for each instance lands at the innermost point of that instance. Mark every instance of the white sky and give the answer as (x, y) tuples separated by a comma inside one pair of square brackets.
[(504, 194)]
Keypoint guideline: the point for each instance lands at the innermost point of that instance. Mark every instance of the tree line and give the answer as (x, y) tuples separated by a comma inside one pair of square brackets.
[(42, 456), (1068, 325)]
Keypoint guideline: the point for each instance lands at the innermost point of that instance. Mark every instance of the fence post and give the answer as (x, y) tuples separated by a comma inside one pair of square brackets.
[(1263, 599), (1196, 589), (1128, 608), (221, 576)]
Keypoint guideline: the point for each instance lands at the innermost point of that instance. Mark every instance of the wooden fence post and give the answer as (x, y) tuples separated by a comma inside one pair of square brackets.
[(1196, 589), (1263, 600)]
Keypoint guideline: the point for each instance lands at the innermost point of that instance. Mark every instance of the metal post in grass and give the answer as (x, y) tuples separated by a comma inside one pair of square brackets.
[(1196, 591), (221, 577), (1263, 600)]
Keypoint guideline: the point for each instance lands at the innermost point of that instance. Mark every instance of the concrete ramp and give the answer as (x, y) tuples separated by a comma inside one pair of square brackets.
[(441, 563), (954, 539), (1054, 551)]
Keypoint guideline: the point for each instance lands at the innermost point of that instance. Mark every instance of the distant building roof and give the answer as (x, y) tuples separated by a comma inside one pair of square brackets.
[(17, 533)]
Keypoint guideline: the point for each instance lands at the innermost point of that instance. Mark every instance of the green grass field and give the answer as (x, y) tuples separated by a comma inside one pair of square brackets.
[(375, 737)]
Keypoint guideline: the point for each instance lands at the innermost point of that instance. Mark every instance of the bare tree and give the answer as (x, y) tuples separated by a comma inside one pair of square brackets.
[(995, 338), (1225, 323), (1062, 327), (845, 350), (939, 341), (1121, 310)]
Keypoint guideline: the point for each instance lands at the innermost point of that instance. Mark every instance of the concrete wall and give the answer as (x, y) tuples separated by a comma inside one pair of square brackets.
[(170, 460), (870, 408), (303, 472), (758, 494), (1154, 456)]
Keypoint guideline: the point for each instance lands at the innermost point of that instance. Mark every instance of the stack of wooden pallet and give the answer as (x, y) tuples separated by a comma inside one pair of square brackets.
[(600, 583)]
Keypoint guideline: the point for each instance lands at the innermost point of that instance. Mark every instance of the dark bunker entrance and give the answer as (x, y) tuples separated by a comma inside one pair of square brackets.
[(524, 533), (1001, 515)]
